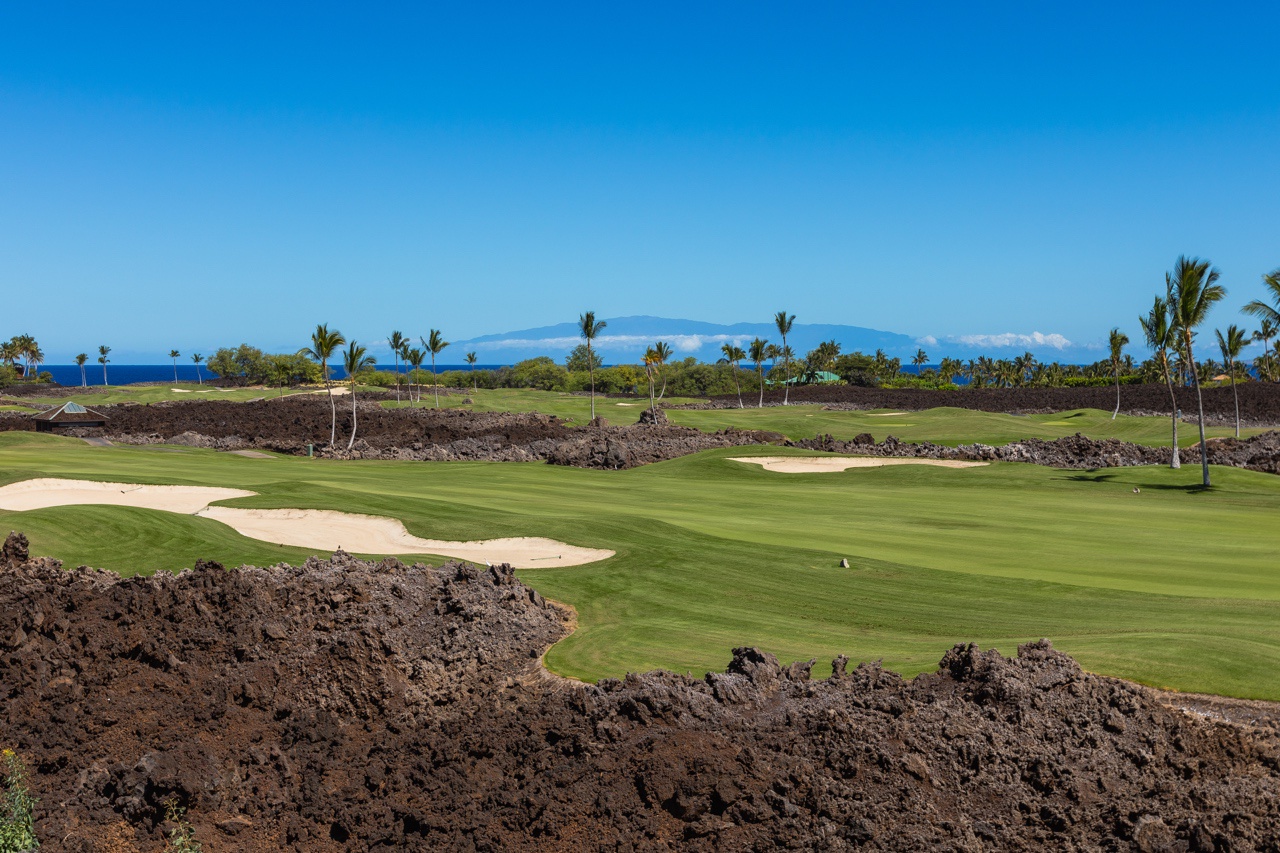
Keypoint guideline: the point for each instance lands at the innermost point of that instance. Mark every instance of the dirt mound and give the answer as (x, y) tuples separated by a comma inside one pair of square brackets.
[(373, 706), (1260, 453), (1259, 401)]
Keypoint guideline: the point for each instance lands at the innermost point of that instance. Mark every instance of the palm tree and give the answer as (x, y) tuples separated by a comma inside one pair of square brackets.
[(434, 342), (1266, 331), (661, 352), (1117, 341), (588, 328), (414, 358), (173, 354), (324, 344), (1269, 314), (650, 365), (734, 354), (783, 322), (471, 366), (758, 352), (80, 360), (1161, 335), (355, 361), (196, 359), (920, 359), (1230, 344), (397, 343), (1193, 289), (102, 359)]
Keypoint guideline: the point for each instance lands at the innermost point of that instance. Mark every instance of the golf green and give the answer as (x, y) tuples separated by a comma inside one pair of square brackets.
[(1171, 585)]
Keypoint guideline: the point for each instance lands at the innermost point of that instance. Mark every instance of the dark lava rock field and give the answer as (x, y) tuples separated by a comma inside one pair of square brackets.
[(346, 705)]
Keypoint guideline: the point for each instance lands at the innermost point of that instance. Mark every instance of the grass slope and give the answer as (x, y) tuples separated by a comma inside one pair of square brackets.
[(1173, 586)]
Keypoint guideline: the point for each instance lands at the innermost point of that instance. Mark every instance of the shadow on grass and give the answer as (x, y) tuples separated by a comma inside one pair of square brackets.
[(1092, 476)]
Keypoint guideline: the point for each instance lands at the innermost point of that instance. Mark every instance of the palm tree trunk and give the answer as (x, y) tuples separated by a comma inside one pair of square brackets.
[(739, 384), (175, 371), (1195, 378), (397, 355), (1117, 411), (1175, 462), (786, 388), (591, 374), (333, 409), (1235, 395), (104, 373), (435, 383), (352, 442), (761, 389), (652, 404)]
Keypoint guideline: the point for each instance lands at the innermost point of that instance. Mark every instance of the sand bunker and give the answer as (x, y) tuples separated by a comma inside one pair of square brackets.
[(884, 414), (829, 464), (304, 528), (180, 390)]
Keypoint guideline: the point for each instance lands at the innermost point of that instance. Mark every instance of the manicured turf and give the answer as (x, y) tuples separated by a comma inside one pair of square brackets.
[(1172, 586), (945, 425), (571, 407), (186, 391)]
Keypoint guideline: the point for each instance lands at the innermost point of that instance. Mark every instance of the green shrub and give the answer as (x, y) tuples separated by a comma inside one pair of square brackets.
[(182, 838), (17, 825)]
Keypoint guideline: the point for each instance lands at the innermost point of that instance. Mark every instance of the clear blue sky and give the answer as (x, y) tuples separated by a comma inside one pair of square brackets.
[(183, 175)]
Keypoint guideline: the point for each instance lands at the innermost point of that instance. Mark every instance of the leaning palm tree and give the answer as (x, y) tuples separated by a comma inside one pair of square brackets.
[(414, 358), (434, 342), (324, 344), (1230, 344), (196, 359), (734, 354), (1161, 335), (397, 343), (588, 328), (758, 352), (80, 360), (662, 353), (173, 354), (650, 365), (102, 359), (355, 361), (471, 367), (783, 322), (1117, 341), (1193, 289)]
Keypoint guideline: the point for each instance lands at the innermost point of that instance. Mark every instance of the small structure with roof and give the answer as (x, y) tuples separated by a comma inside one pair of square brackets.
[(69, 415)]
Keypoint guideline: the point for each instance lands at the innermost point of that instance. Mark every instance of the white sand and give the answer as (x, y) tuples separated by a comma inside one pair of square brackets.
[(829, 464), (38, 494), (884, 414), (304, 528), (180, 390)]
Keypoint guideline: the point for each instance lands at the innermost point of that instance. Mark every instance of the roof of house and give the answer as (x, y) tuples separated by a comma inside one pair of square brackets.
[(70, 413)]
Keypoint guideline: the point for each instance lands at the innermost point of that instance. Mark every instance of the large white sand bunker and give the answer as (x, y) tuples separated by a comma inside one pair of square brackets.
[(830, 464), (322, 530), (369, 534), (47, 492)]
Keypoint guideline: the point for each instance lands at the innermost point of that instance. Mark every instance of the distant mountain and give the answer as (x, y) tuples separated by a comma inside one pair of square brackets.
[(625, 338)]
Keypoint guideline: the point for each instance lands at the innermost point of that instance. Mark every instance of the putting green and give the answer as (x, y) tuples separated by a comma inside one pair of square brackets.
[(1171, 586)]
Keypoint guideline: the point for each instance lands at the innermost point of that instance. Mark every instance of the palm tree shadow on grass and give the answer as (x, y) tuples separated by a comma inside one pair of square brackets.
[(1091, 476)]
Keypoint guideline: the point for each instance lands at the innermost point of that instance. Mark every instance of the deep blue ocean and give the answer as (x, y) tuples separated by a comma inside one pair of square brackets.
[(127, 374)]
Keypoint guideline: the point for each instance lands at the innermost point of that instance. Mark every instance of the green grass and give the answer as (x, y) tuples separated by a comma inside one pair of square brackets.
[(945, 425), (187, 391), (1174, 586), (570, 407)]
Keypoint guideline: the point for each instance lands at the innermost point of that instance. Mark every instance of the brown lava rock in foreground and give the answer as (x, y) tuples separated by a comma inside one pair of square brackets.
[(346, 705)]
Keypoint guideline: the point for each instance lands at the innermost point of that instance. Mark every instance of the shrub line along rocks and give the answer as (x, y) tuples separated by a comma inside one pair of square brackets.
[(347, 705)]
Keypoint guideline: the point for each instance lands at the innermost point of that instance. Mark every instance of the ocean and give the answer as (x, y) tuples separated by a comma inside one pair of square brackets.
[(127, 374)]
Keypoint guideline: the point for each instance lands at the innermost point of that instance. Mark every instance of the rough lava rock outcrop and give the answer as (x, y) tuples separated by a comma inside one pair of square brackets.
[(347, 705)]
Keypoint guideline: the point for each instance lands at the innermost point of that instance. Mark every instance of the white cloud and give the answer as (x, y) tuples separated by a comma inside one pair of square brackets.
[(1011, 339), (928, 341)]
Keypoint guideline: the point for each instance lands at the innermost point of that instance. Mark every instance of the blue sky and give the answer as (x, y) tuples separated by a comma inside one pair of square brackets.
[(174, 175)]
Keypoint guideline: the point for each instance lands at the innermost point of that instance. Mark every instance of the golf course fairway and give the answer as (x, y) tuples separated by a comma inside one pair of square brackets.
[(1170, 586)]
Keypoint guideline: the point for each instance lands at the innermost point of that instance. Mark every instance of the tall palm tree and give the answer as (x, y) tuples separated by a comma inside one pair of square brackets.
[(783, 322), (471, 366), (661, 353), (434, 342), (734, 354), (355, 361), (1117, 341), (758, 352), (102, 359), (414, 358), (1193, 290), (196, 359), (324, 344), (80, 360), (1230, 344), (1161, 335), (650, 365), (1266, 331), (588, 328), (173, 354), (920, 359), (1269, 314), (397, 343)]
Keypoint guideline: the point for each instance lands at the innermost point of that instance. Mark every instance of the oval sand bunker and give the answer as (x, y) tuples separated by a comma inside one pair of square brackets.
[(830, 464), (303, 528)]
